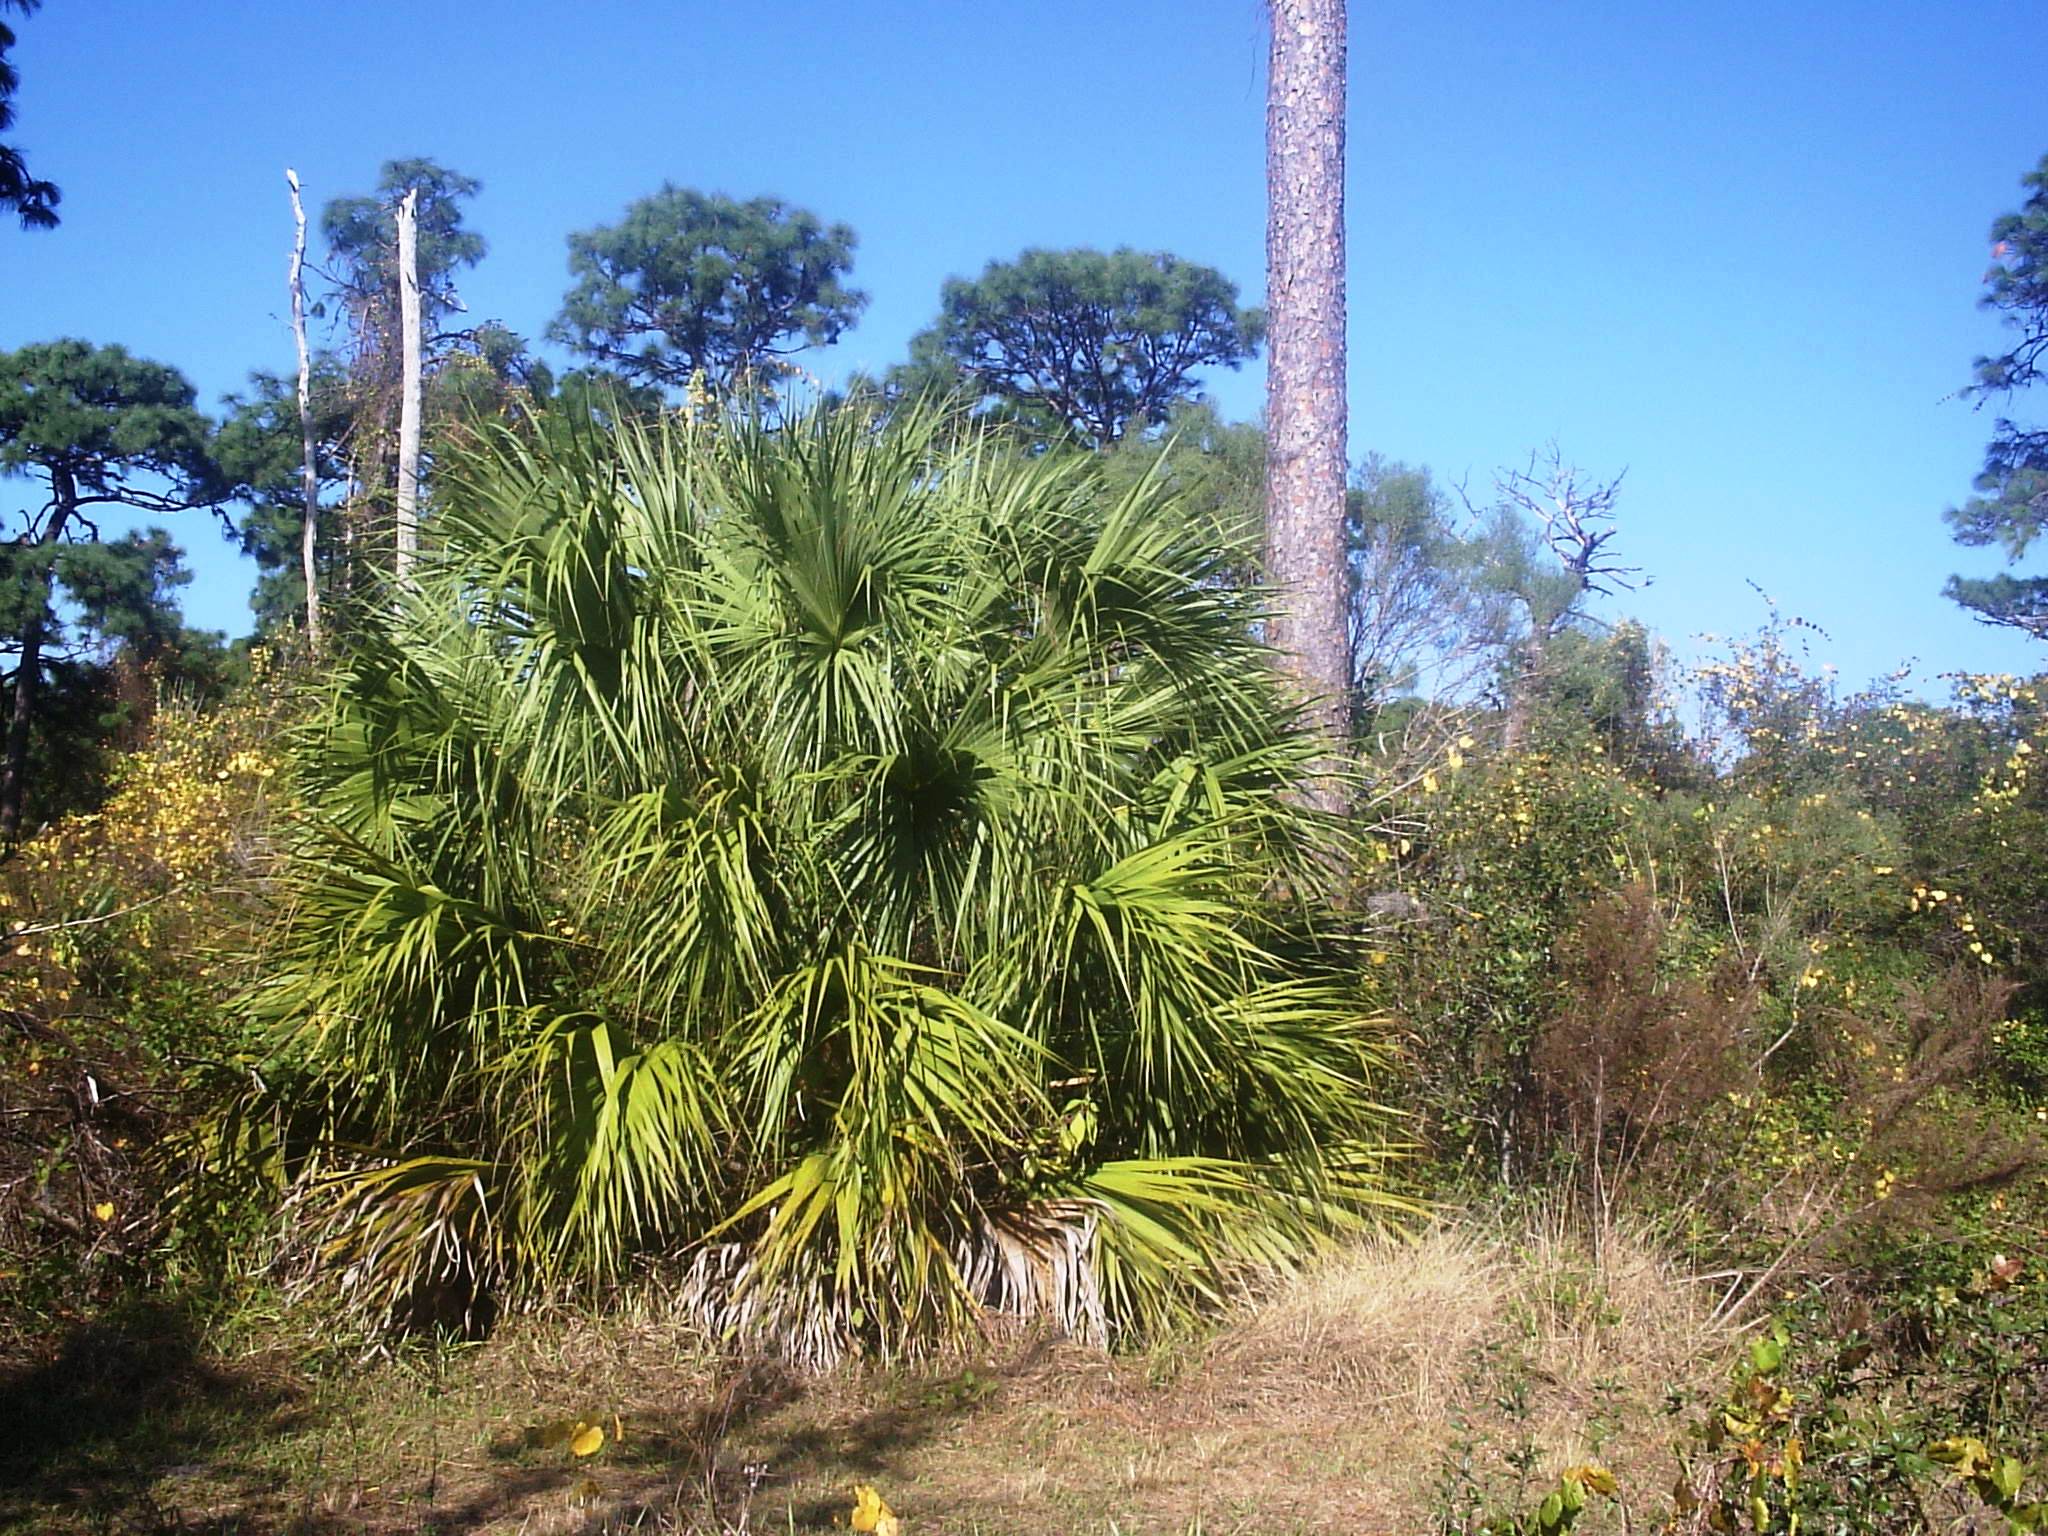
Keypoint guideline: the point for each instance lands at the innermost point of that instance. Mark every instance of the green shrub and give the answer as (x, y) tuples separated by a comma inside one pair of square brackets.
[(863, 866), (1515, 848)]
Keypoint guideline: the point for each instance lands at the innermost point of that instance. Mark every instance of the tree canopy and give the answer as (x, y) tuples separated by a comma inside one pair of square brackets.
[(34, 200), (1089, 342), (362, 240), (2011, 506), (1422, 611), (690, 282), (114, 423), (358, 393), (91, 426)]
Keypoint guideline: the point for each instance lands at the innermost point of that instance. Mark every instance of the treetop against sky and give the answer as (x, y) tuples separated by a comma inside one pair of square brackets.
[(1742, 260)]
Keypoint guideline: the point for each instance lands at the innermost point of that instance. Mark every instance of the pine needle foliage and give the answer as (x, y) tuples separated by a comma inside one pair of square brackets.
[(853, 863)]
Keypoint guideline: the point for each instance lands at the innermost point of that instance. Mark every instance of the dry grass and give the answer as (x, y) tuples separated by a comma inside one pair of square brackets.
[(1397, 1387), (1387, 1328), (1469, 1363)]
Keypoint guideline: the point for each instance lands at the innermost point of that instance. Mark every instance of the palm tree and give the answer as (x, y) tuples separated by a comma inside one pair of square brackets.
[(1305, 406), (842, 860)]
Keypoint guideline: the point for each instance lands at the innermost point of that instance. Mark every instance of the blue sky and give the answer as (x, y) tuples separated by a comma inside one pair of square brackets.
[(1734, 248)]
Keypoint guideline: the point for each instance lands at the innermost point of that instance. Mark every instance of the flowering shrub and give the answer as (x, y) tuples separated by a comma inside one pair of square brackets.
[(121, 926), (1807, 978), (1514, 845), (1790, 1007)]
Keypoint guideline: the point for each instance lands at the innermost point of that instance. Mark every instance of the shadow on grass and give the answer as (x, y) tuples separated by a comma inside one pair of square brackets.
[(124, 1424), (779, 1450), (94, 1419)]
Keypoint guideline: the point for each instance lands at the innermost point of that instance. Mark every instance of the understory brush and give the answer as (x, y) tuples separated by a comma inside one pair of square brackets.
[(797, 960), (127, 930), (1785, 1012)]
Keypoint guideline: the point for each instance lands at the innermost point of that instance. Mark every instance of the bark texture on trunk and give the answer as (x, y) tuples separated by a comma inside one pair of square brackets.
[(309, 479), (1305, 408), (28, 675), (408, 503)]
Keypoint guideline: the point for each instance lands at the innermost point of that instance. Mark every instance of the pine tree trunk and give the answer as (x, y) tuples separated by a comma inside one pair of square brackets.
[(1305, 407), (309, 475), (28, 676), (409, 398)]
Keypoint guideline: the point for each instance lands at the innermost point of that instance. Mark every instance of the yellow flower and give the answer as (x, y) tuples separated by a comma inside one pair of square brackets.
[(104, 1211), (871, 1514), (1593, 1478)]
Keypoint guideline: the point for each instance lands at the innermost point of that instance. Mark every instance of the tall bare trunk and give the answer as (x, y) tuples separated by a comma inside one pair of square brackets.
[(409, 399), (1523, 688), (309, 477), (1305, 408), (28, 675)]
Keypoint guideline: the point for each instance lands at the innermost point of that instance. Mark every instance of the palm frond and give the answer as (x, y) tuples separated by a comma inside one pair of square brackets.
[(859, 863)]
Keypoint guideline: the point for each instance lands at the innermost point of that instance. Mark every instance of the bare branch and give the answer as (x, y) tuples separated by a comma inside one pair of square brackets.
[(1576, 515)]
